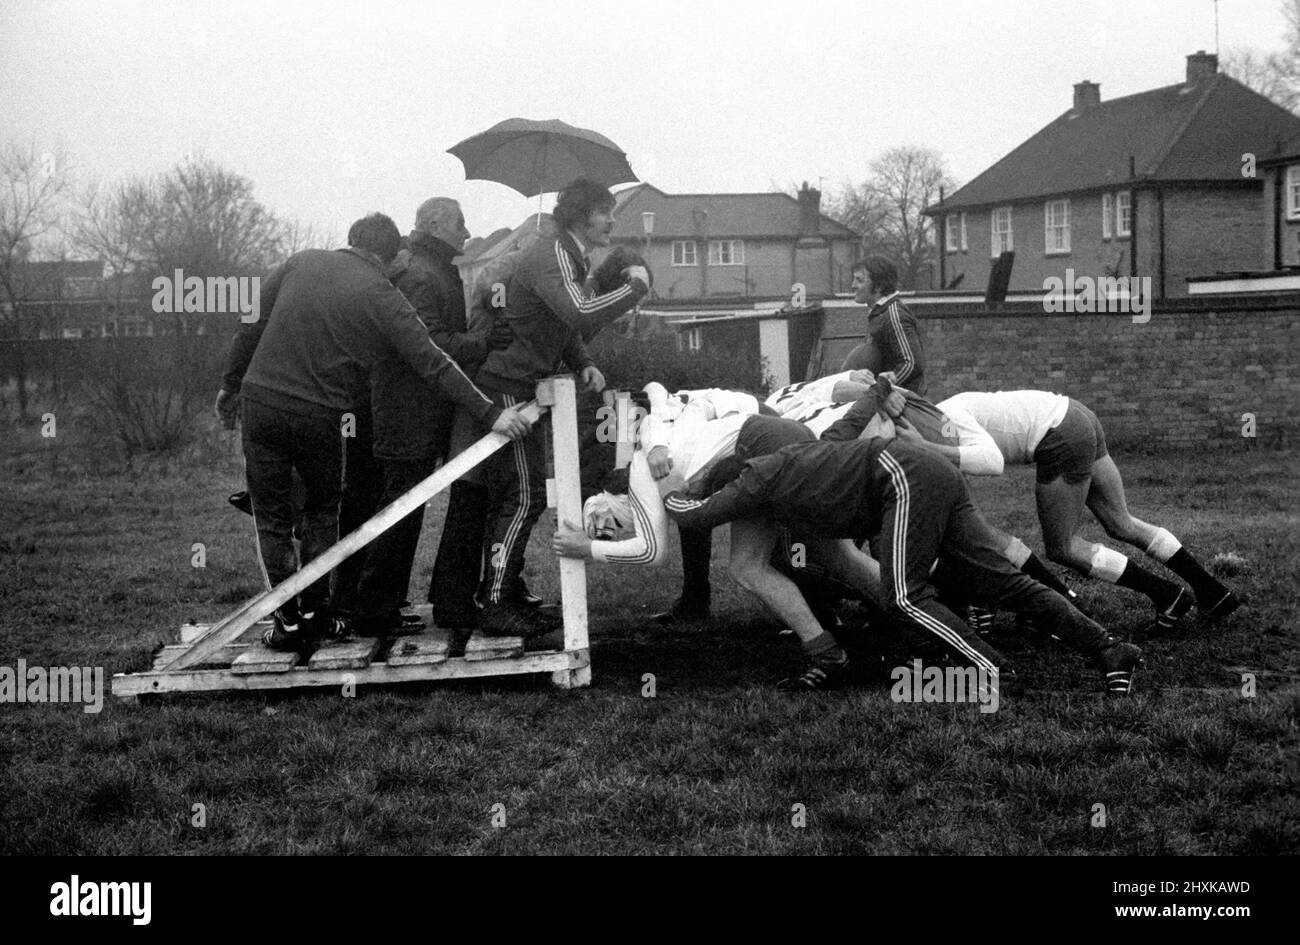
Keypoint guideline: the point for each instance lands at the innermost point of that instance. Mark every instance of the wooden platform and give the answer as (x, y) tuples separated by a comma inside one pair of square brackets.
[(434, 654), (229, 655)]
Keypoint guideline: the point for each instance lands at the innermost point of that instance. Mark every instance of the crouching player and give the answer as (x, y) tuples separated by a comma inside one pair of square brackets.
[(918, 503), (1074, 469)]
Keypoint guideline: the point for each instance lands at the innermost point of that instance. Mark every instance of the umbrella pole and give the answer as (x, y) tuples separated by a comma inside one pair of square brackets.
[(538, 223)]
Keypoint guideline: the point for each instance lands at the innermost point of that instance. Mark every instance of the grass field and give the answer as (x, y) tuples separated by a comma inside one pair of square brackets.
[(95, 570)]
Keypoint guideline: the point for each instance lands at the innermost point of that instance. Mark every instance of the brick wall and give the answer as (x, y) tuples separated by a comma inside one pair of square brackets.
[(1180, 380)]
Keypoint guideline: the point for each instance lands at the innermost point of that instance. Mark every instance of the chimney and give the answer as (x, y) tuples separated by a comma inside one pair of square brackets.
[(1086, 95), (1201, 66), (810, 204)]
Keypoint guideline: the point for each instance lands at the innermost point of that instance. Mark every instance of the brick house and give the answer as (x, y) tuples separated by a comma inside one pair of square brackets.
[(73, 299), (1150, 185), (735, 245)]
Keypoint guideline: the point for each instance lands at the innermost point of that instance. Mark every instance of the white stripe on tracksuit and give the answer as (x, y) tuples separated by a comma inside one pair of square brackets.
[(899, 550), (903, 373), (521, 514)]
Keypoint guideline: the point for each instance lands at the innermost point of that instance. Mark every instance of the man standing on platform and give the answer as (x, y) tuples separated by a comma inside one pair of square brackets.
[(551, 314)]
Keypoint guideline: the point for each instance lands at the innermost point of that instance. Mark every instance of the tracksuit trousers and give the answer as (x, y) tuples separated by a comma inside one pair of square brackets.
[(927, 514)]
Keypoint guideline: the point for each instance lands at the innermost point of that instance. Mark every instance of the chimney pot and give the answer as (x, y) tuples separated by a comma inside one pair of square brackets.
[(1201, 66), (1086, 95)]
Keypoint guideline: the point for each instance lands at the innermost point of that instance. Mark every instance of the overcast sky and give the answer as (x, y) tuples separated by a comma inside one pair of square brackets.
[(335, 109)]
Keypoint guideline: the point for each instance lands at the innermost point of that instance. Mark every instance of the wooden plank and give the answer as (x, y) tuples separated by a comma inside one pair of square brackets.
[(194, 631), (223, 657), (573, 571), (483, 647), (260, 659), (422, 649), (126, 686), (230, 628), (349, 654)]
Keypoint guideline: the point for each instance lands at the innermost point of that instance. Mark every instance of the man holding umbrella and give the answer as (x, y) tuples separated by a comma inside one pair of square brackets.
[(552, 315)]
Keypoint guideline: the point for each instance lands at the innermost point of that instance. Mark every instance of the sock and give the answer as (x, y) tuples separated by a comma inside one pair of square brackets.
[(823, 646), (1207, 589), (1136, 578), (1040, 572)]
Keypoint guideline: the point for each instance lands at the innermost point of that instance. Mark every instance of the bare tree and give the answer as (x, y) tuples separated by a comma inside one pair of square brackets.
[(1272, 74), (888, 208), (34, 182)]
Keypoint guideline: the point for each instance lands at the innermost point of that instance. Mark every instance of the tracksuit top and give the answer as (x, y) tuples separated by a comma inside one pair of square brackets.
[(552, 315), (893, 343), (330, 316), (820, 487)]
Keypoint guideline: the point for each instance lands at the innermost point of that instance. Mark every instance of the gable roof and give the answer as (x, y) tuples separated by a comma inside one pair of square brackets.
[(775, 215), (1187, 132)]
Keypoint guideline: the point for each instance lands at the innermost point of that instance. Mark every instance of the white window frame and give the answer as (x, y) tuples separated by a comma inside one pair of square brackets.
[(1056, 228), (1108, 216), (955, 236), (999, 236), (1293, 192), (1123, 215), (735, 252), (692, 339), (685, 253)]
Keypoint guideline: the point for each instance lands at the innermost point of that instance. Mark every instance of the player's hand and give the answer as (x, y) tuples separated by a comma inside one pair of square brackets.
[(660, 463), (512, 424), (570, 542), (888, 376), (894, 404), (908, 433), (500, 335), (593, 379), (637, 272), (227, 408)]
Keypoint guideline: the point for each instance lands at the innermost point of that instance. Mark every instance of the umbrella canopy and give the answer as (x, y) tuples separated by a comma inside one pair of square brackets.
[(538, 157)]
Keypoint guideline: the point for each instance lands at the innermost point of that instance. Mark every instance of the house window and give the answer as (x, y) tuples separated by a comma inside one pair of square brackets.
[(1002, 242), (684, 253), (1107, 215), (1123, 214), (955, 237), (1056, 226), (1293, 192), (727, 253), (692, 339)]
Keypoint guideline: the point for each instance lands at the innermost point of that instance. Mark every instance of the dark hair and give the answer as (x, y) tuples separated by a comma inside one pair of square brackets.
[(578, 200), (378, 234), (884, 274)]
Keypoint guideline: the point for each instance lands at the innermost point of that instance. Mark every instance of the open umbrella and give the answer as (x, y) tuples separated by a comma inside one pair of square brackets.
[(538, 157)]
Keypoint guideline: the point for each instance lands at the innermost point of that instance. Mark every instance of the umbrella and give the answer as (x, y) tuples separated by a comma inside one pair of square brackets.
[(538, 157)]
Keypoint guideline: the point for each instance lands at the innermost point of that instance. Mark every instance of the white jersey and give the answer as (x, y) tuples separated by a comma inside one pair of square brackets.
[(1016, 420), (698, 427)]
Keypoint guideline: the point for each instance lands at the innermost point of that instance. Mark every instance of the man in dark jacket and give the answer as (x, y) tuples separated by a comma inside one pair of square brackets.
[(893, 341), (412, 422), (551, 314), (301, 371)]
